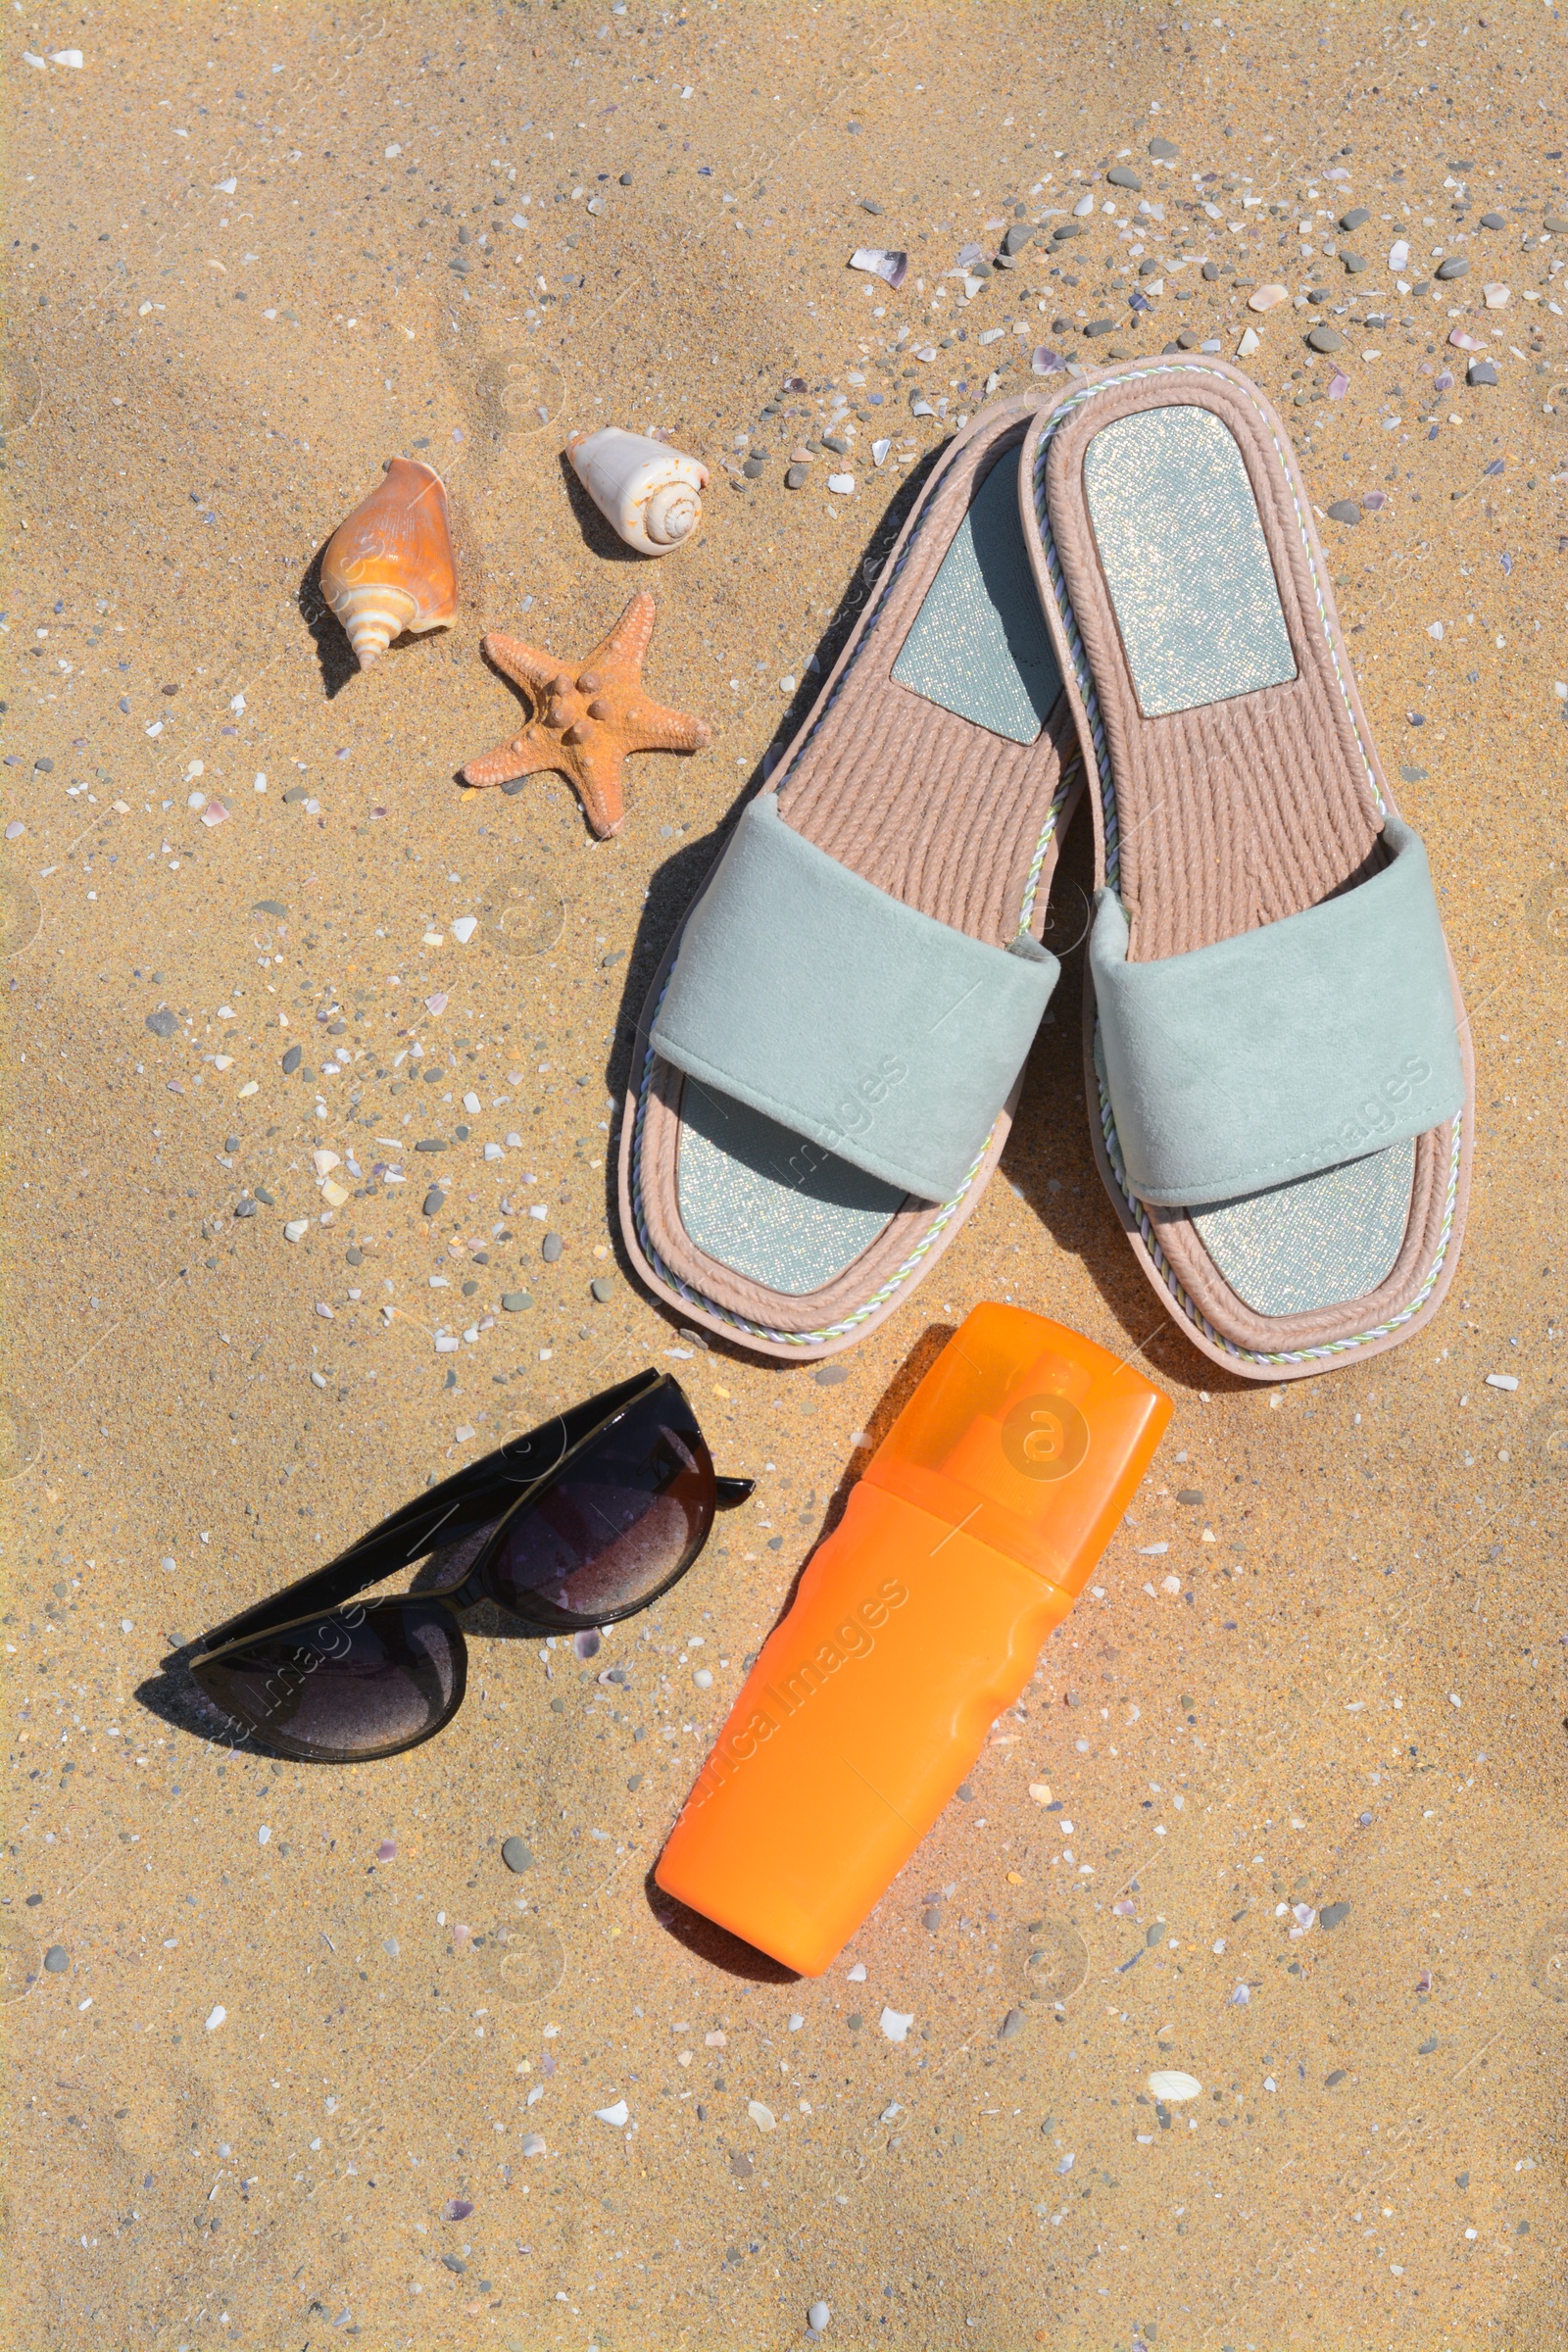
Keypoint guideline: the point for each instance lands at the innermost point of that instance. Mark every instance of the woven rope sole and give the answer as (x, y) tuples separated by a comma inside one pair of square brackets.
[(958, 822), (1328, 839)]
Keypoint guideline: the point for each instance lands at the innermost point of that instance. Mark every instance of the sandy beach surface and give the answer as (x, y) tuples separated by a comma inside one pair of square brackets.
[(293, 2057)]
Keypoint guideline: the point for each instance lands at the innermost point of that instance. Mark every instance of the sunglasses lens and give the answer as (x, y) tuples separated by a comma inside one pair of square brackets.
[(621, 1523), (365, 1683)]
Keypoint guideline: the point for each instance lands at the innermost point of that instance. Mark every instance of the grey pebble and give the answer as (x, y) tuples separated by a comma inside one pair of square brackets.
[(1454, 265), (1481, 371), (292, 1059), (1013, 2023), (839, 447), (265, 1196), (602, 1288), (552, 1247), (244, 1209), (1493, 220), (740, 2165), (1326, 338), (965, 1793), (1345, 509), (1163, 151), (1017, 237), (1357, 218), (515, 1855), (269, 906), (1338, 2076), (830, 1375), (797, 477), (435, 1201), (855, 2021), (869, 204), (430, 1143), (931, 1918), (1189, 1494), (1428, 2046), (625, 179), (1555, 225), (1123, 175), (163, 1023), (754, 467), (57, 1959), (1354, 261), (1099, 326), (454, 2263), (1332, 1913), (634, 1781), (514, 1302), (43, 767)]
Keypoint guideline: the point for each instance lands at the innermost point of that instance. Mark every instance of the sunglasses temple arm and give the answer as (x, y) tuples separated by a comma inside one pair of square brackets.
[(728, 1492)]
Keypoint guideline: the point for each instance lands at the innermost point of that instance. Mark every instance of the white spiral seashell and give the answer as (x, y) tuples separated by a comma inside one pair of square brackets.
[(648, 492), (373, 615)]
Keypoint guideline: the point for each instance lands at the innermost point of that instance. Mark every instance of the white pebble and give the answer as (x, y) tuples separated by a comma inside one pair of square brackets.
[(817, 2317), (533, 2143), (858, 1973), (895, 2025), (463, 929), (616, 2115), (841, 483), (1501, 1380), (214, 2018)]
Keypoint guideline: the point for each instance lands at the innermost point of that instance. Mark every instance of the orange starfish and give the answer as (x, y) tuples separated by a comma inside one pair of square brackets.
[(587, 721)]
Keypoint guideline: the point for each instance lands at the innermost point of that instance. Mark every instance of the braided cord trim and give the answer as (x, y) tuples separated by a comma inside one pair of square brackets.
[(1108, 795)]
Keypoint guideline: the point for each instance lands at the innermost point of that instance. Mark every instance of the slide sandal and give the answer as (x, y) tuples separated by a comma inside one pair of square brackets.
[(1274, 1037), (827, 1064)]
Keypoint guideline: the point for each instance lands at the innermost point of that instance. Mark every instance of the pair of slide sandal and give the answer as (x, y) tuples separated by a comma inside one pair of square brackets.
[(1277, 1059)]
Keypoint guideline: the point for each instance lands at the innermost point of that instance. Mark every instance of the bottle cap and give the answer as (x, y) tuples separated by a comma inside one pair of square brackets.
[(1028, 1437)]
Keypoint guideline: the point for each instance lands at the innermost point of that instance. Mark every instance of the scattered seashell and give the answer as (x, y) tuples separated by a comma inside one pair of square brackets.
[(456, 2209), (1465, 342), (1497, 296), (894, 2024), (762, 2117), (534, 2144), (1399, 254), (1174, 2087), (389, 566), (616, 2115), (1266, 298), (648, 492), (1250, 341), (878, 262)]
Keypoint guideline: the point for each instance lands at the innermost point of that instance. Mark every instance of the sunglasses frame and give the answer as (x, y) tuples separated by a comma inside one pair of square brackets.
[(474, 1500)]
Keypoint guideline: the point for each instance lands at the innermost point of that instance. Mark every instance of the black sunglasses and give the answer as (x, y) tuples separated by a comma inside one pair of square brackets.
[(581, 1523)]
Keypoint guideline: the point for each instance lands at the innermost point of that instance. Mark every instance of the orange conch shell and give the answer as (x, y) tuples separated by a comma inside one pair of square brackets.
[(389, 566)]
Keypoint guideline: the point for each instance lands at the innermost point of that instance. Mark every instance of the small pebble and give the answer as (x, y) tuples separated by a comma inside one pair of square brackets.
[(817, 2317), (1345, 509), (514, 1302), (1454, 265), (1493, 220), (164, 1023), (517, 1857), (435, 1201), (456, 2209), (1013, 2023), (552, 1247), (1164, 151), (1326, 338), (1121, 176), (796, 477), (57, 1959), (601, 1289), (1481, 371), (292, 1059)]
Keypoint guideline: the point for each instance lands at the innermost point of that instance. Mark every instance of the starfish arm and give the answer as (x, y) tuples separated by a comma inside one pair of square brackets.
[(525, 756), (596, 770), (526, 666), (649, 728), (628, 641)]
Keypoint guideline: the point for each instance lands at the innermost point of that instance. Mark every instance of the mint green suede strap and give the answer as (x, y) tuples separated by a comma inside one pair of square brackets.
[(864, 1026), (1285, 1050)]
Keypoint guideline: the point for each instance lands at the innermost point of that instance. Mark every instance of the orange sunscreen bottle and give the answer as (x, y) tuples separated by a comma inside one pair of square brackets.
[(967, 1541)]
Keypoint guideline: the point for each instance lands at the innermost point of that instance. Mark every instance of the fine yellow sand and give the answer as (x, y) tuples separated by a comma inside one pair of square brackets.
[(250, 254)]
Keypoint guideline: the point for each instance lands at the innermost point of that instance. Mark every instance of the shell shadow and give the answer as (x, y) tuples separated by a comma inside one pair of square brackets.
[(335, 657)]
